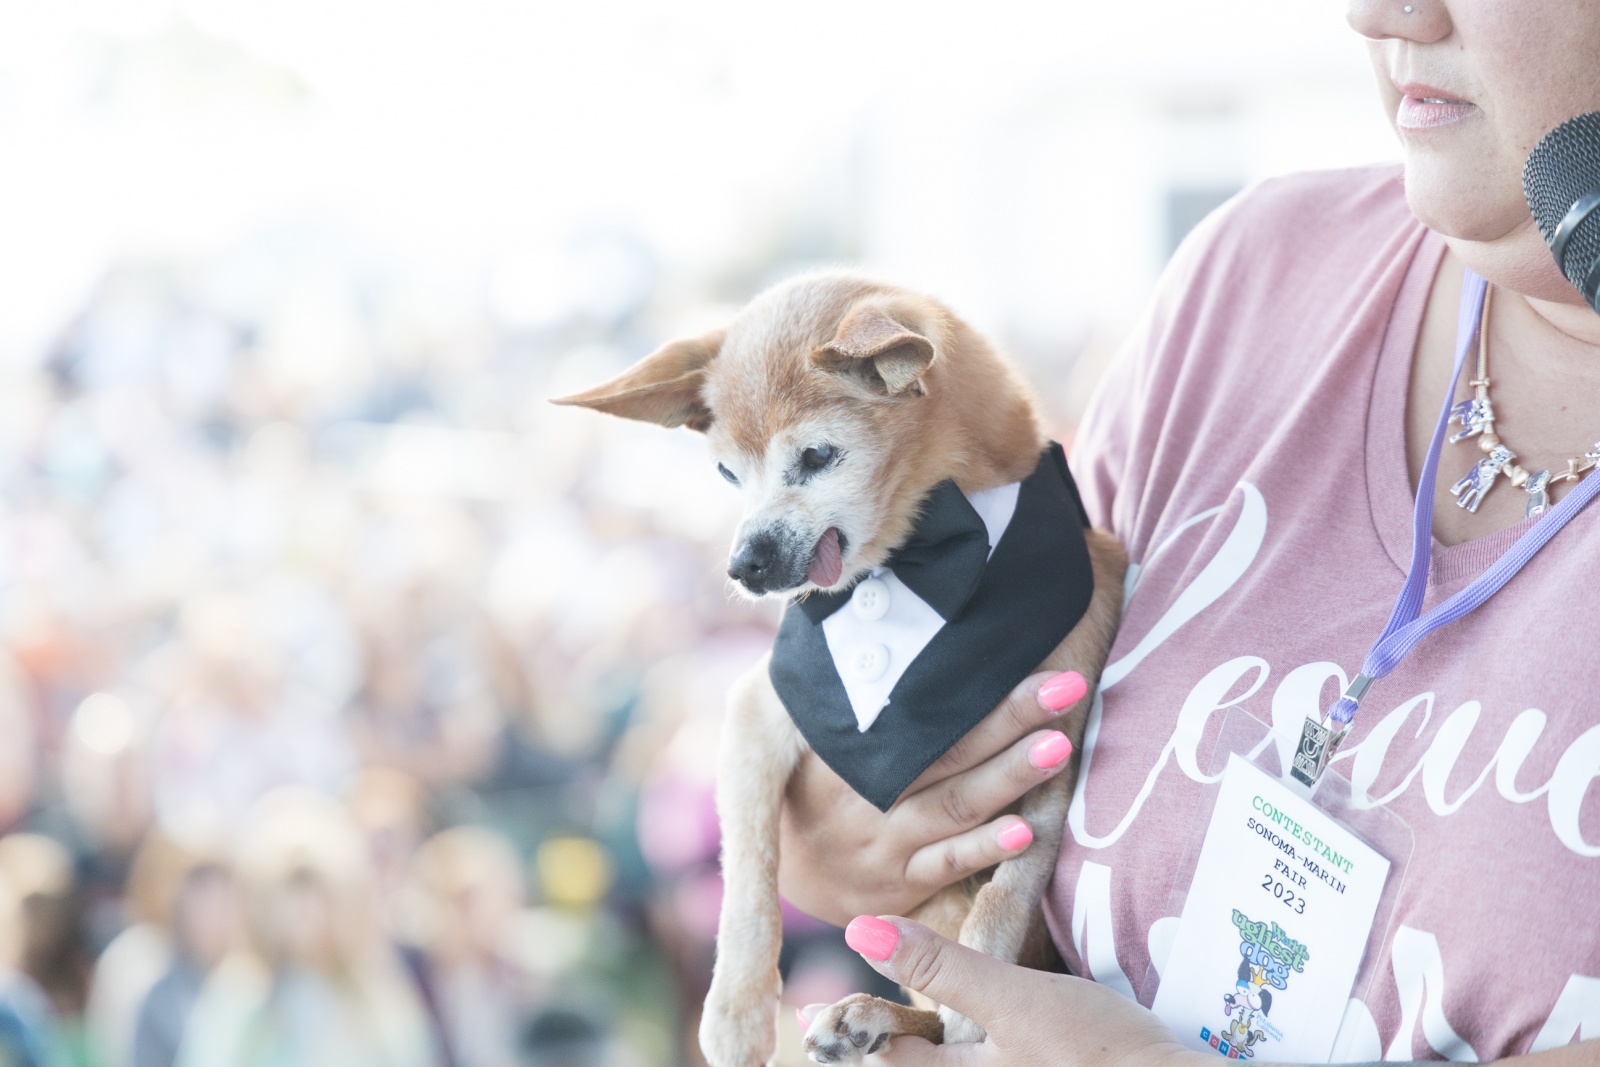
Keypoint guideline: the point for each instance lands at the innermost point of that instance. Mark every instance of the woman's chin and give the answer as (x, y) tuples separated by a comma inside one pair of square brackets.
[(1463, 206), (1501, 244)]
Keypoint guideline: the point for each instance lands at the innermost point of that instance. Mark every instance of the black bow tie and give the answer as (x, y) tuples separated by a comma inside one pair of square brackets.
[(942, 562)]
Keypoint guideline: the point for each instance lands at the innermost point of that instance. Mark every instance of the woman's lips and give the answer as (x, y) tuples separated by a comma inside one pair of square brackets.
[(1425, 108)]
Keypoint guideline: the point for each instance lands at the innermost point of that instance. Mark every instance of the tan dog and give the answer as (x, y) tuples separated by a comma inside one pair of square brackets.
[(836, 403)]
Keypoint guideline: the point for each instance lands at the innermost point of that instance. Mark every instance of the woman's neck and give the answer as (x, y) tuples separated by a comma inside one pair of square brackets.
[(1520, 267), (1573, 323)]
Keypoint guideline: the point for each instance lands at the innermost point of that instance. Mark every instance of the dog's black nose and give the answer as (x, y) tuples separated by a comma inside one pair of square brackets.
[(751, 564)]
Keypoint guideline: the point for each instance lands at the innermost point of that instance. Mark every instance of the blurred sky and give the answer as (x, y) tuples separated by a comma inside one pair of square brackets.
[(1023, 159)]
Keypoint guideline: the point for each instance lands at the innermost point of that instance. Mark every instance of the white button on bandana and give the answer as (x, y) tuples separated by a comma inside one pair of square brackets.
[(882, 625), (867, 662), (870, 601)]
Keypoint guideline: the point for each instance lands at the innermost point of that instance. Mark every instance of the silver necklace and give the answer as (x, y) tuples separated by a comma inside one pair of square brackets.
[(1476, 416)]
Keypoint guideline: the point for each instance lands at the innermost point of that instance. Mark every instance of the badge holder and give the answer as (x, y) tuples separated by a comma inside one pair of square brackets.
[(1288, 907)]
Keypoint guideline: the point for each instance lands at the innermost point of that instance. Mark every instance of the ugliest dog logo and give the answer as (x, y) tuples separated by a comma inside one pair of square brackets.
[(1268, 956)]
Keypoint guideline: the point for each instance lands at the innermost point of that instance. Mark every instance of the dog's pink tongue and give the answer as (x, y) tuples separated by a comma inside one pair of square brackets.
[(826, 564)]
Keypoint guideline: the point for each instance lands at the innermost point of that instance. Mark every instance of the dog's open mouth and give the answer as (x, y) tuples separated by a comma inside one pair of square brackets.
[(827, 559)]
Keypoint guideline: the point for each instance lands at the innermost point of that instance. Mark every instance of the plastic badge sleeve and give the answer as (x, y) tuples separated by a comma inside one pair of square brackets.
[(1244, 1026)]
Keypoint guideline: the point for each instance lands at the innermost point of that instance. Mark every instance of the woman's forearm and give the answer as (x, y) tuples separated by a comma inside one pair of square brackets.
[(1581, 1054)]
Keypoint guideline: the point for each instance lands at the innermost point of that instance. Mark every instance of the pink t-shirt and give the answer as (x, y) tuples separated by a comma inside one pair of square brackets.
[(1248, 448)]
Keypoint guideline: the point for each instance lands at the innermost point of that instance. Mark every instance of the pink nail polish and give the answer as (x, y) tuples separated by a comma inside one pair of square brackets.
[(1016, 836), (1049, 751), (873, 938), (805, 1024), (1063, 691)]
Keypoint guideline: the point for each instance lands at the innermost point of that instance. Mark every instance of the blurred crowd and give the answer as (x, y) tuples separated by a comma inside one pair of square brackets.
[(359, 707)]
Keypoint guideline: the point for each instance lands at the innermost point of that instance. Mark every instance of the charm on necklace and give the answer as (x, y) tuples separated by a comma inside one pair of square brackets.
[(1476, 416), (1537, 487), (1471, 489)]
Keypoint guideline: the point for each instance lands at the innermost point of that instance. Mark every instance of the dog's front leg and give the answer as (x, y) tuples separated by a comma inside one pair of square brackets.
[(760, 747), (1005, 916), (1006, 912)]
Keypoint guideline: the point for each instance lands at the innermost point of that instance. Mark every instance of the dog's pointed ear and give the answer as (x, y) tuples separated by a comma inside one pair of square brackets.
[(872, 345), (663, 387)]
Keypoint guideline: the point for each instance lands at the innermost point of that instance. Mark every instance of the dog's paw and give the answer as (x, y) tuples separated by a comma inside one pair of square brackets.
[(958, 1029), (856, 1026), (739, 1030)]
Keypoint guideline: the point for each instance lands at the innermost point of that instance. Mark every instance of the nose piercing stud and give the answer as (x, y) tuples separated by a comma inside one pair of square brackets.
[(1408, 9)]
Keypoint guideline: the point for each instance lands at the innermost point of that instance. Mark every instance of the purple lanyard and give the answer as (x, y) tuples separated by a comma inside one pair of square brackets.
[(1405, 627)]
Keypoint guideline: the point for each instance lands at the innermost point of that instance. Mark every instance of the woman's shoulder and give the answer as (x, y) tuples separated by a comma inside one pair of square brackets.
[(1317, 223), (1350, 193), (1289, 277), (1287, 263)]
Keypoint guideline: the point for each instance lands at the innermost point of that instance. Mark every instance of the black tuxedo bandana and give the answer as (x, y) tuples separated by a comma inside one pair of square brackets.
[(1002, 618)]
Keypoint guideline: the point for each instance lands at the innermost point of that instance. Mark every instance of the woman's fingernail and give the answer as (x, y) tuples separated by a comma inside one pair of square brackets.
[(1049, 751), (1063, 691), (805, 1024), (1016, 836), (873, 938)]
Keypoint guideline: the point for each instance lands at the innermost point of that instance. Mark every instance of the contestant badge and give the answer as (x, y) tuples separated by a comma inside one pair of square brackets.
[(1274, 927)]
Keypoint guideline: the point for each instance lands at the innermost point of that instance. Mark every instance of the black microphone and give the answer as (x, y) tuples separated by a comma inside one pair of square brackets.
[(1562, 184)]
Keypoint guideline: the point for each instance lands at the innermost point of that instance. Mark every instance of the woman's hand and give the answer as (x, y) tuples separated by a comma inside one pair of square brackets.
[(1033, 1018), (839, 856)]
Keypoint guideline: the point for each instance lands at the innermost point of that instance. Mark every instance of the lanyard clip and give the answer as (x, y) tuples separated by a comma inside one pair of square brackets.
[(1320, 740)]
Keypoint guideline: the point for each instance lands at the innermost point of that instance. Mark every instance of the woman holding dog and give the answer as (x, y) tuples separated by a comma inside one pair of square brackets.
[(1257, 448)]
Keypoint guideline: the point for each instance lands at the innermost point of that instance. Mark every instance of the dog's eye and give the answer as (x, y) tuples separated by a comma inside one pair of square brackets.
[(814, 459), (728, 474)]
